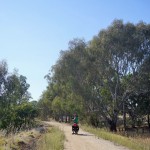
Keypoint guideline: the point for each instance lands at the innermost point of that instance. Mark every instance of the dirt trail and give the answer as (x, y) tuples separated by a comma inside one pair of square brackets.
[(84, 140)]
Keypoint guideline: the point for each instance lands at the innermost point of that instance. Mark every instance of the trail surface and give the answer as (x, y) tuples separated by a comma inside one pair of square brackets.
[(84, 140)]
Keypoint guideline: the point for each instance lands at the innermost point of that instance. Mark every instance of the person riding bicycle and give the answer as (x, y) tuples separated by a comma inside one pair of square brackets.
[(75, 127), (75, 119)]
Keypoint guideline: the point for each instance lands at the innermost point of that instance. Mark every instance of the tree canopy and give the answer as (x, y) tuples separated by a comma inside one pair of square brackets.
[(16, 111), (105, 76)]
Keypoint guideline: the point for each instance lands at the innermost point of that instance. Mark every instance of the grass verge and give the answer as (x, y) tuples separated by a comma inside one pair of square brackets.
[(2, 142), (138, 143), (52, 140)]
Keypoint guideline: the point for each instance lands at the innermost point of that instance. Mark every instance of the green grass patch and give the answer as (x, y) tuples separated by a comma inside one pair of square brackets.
[(132, 143), (52, 140)]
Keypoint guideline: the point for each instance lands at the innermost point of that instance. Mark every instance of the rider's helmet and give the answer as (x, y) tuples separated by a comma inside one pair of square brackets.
[(75, 115)]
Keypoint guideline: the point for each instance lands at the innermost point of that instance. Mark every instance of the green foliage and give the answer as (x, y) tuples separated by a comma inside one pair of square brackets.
[(16, 112), (19, 117), (44, 104), (56, 105), (102, 76)]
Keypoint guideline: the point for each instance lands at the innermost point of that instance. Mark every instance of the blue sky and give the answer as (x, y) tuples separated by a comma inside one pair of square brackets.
[(32, 32)]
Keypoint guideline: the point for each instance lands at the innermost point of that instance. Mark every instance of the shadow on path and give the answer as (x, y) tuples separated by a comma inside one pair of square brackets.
[(85, 134)]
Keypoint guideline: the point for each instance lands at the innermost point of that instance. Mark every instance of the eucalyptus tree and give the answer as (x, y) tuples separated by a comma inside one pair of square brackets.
[(138, 102), (45, 103), (144, 86), (14, 96), (3, 73), (68, 75), (117, 52), (102, 74)]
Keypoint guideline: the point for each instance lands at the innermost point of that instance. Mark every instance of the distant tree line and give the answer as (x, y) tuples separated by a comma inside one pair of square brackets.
[(104, 80), (16, 112)]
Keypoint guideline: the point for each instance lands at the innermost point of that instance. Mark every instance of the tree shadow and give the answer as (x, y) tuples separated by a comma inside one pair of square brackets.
[(85, 134)]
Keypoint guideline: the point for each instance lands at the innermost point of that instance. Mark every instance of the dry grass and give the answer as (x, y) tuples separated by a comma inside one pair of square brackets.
[(52, 140), (144, 141), (136, 143), (2, 143), (23, 140)]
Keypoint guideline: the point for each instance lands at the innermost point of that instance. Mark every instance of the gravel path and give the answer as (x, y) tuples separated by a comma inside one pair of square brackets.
[(84, 140)]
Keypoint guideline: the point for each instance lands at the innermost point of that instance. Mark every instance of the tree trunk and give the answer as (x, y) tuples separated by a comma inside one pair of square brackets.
[(148, 120), (133, 119), (112, 126), (124, 116), (124, 120)]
